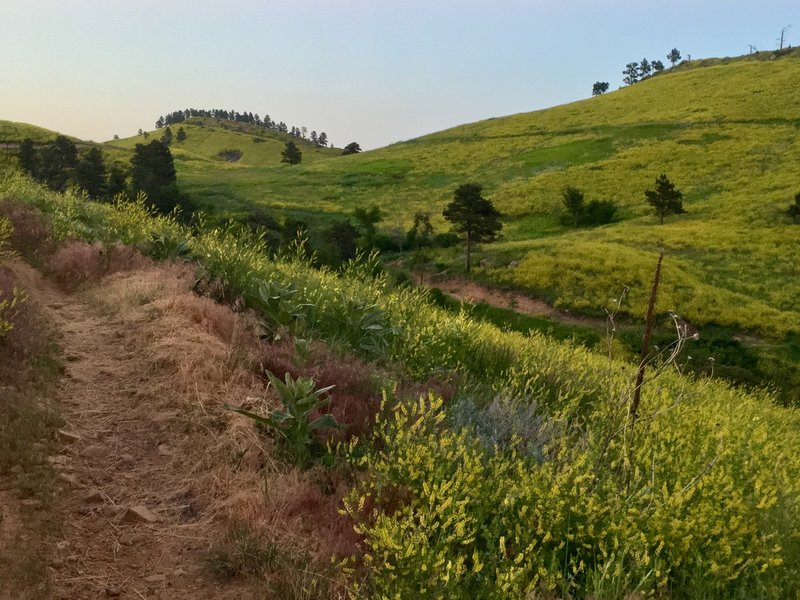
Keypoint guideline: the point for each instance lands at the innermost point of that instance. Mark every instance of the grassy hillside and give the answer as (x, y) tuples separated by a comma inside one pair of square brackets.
[(523, 473), (725, 131)]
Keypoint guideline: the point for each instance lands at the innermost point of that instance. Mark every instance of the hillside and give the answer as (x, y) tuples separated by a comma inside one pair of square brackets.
[(207, 138), (725, 131), (474, 462)]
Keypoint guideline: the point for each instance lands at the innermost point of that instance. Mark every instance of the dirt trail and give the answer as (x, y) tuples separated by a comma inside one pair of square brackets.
[(471, 291), (133, 526)]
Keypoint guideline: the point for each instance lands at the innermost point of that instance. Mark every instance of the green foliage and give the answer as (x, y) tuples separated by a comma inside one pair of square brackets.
[(153, 173), (90, 173), (794, 209), (295, 423), (291, 154), (599, 88), (463, 515), (573, 202), (473, 216), (7, 305), (665, 198), (351, 148), (368, 219), (731, 143), (599, 212), (281, 307), (469, 501)]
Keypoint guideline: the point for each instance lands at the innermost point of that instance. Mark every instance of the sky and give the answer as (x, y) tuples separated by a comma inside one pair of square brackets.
[(371, 71)]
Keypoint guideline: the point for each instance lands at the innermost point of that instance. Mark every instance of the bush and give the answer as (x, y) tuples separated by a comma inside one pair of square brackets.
[(29, 231), (598, 212), (794, 209)]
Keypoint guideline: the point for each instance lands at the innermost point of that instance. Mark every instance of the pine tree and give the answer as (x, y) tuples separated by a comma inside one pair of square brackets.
[(665, 198), (90, 173), (27, 157), (473, 216), (291, 154)]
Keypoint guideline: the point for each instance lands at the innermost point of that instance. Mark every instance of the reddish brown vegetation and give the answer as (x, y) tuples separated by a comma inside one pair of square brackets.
[(26, 341), (31, 233), (75, 263)]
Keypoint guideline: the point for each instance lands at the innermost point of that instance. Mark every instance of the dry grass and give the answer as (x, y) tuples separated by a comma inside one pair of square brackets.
[(76, 263), (27, 425), (200, 355), (31, 232), (26, 344)]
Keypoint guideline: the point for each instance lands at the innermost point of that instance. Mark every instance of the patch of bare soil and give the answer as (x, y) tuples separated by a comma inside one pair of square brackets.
[(471, 291), (145, 453)]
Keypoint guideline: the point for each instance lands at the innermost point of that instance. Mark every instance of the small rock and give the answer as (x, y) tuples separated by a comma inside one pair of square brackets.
[(162, 417), (164, 450), (67, 478), (126, 539), (16, 470), (513, 264), (31, 503), (161, 578), (140, 514), (113, 591), (94, 451), (57, 563), (127, 457), (63, 544), (111, 510), (179, 572), (67, 436), (58, 460), (93, 496)]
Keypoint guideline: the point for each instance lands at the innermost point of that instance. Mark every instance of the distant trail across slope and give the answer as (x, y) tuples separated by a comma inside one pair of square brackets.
[(472, 291)]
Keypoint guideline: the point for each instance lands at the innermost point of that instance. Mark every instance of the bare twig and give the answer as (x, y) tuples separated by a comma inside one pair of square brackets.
[(648, 333)]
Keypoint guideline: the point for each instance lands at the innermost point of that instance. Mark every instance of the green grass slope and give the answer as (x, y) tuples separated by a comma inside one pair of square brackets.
[(531, 480), (13, 133), (725, 131), (220, 182)]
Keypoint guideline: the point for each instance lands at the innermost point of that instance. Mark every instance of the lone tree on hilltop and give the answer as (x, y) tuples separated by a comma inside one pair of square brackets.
[(351, 148), (665, 198), (794, 209), (573, 201), (291, 154), (473, 216), (674, 56), (599, 88)]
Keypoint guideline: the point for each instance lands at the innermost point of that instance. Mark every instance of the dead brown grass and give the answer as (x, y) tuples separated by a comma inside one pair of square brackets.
[(26, 342), (31, 234), (75, 263), (200, 355)]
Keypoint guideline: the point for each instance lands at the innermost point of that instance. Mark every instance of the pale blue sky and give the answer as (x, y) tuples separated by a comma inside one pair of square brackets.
[(371, 71)]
